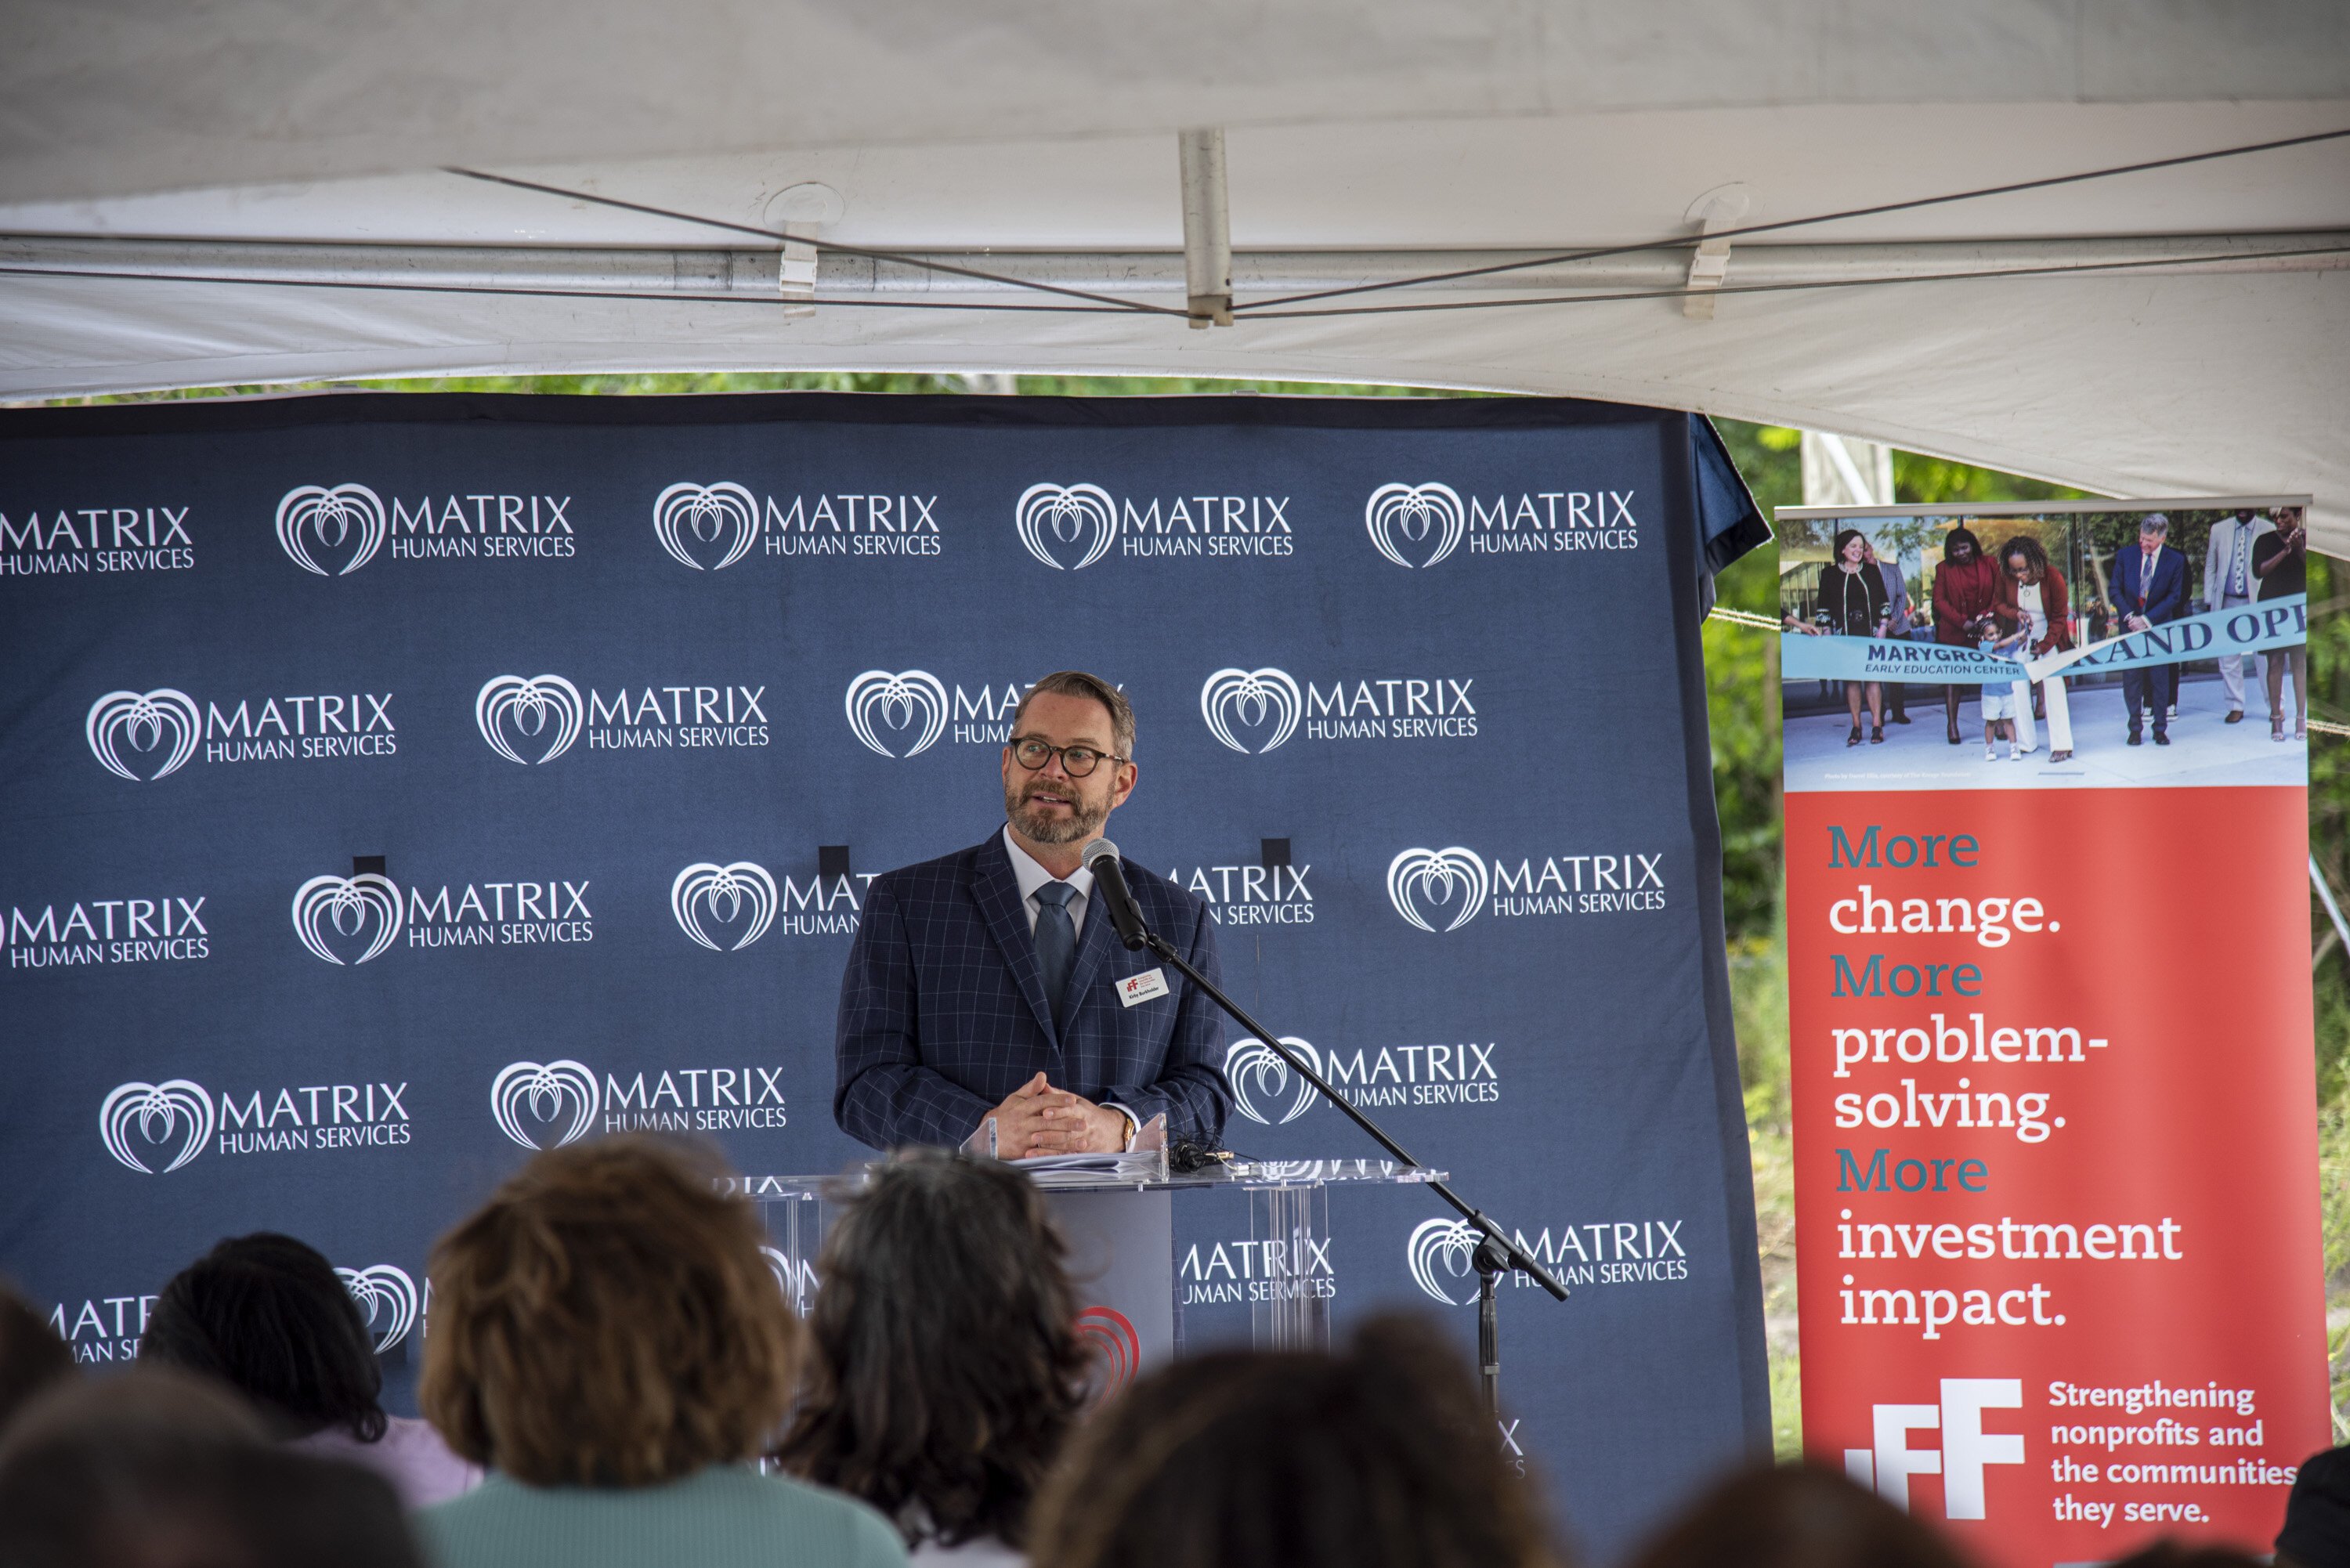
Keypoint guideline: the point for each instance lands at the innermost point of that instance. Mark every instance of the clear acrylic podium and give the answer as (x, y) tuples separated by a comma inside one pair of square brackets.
[(1121, 1234)]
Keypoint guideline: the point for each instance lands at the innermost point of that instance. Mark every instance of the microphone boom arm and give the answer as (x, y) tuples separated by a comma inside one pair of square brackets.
[(1519, 1258)]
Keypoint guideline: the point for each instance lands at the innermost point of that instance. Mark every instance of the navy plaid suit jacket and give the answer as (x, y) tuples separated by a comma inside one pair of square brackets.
[(942, 1013)]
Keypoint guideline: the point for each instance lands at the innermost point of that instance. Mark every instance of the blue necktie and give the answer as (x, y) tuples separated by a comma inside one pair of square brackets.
[(1056, 943)]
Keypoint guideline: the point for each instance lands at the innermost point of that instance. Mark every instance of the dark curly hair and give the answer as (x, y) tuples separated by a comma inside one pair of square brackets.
[(1379, 1457), (2035, 559), (947, 1365), (266, 1314)]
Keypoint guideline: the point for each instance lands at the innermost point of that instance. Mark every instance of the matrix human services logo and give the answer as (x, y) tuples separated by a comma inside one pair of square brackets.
[(1415, 524), (1111, 1334), (1265, 1089), (123, 930), (1427, 885), (546, 1104), (898, 713), (1442, 1257), (386, 1298), (710, 527), (148, 735), (717, 521), (77, 539), (1256, 711), (103, 1328), (1264, 700), (170, 1122), (531, 1100), (331, 531), (359, 914), (340, 522), (1258, 1268), (157, 731), (1420, 526), (529, 719), (1069, 528), (797, 1281), (1066, 526), (736, 901)]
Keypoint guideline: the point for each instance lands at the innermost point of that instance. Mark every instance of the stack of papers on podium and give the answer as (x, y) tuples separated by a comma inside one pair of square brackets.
[(1093, 1169)]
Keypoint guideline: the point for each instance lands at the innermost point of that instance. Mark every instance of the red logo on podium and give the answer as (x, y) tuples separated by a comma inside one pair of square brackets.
[(1121, 1348)]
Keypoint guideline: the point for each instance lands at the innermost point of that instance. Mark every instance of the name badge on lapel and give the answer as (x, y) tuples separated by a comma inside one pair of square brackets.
[(1137, 989)]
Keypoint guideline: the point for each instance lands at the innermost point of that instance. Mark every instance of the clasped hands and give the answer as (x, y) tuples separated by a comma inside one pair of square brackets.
[(1037, 1118)]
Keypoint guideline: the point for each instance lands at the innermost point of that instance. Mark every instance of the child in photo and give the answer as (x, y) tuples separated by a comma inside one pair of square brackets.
[(1999, 693)]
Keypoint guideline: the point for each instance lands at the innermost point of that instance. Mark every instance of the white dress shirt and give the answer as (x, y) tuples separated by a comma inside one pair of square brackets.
[(1032, 876)]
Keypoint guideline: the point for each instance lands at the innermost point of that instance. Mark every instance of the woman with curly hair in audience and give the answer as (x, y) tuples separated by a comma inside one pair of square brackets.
[(607, 1339)]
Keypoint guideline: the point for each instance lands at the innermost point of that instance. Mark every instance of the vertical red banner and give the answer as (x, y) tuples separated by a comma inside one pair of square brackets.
[(2058, 1243), (2056, 1197)]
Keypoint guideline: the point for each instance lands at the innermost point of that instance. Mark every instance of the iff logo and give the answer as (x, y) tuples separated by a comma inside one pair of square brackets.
[(1110, 1333), (1966, 1446)]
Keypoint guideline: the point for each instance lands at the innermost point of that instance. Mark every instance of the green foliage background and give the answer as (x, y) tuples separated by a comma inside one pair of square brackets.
[(1742, 699)]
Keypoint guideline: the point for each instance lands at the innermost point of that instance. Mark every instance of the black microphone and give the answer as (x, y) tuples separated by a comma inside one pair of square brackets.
[(1100, 857)]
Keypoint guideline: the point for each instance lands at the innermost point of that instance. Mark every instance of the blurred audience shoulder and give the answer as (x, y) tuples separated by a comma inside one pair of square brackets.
[(947, 1370), (2189, 1554), (1795, 1516), (160, 1468), (2317, 1513), (1380, 1456), (32, 1357), (267, 1314), (609, 1340)]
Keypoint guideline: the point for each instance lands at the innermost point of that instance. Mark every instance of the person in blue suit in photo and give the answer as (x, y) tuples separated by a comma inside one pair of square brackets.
[(985, 984), (2149, 589)]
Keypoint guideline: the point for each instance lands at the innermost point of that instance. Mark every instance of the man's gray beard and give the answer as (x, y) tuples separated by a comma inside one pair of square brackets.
[(1082, 823)]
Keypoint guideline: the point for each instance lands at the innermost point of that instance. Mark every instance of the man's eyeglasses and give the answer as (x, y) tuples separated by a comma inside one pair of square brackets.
[(1077, 762)]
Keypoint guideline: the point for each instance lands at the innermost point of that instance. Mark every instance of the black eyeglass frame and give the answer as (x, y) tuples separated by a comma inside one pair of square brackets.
[(1052, 751)]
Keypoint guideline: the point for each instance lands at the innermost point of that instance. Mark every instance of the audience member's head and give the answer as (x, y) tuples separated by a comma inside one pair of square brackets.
[(32, 1357), (268, 1315), (2317, 1513), (2180, 1555), (156, 1469), (1379, 1457), (948, 1369), (1798, 1516), (606, 1320)]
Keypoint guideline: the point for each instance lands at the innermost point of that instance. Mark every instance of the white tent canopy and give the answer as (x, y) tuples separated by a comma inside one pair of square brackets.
[(244, 192)]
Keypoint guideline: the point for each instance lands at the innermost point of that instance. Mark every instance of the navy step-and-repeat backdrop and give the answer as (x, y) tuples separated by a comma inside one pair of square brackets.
[(397, 784)]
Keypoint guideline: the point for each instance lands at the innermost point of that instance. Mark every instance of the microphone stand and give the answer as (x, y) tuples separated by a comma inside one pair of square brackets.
[(1497, 1252)]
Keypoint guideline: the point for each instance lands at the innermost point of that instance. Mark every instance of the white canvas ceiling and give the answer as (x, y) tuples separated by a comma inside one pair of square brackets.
[(1363, 140)]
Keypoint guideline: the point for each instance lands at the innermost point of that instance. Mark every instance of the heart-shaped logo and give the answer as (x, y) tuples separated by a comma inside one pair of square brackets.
[(144, 735), (1415, 524), (320, 525), (908, 707), (1267, 1089), (706, 527), (1066, 526), (359, 914), (1424, 884), (523, 714), (531, 1099), (170, 1121)]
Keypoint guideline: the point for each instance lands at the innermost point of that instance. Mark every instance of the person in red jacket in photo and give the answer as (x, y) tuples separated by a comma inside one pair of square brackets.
[(1966, 592)]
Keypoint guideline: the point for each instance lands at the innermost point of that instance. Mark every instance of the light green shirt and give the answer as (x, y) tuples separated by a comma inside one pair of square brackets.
[(727, 1516)]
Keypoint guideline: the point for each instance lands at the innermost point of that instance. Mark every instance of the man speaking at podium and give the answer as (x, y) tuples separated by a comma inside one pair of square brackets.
[(988, 982)]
